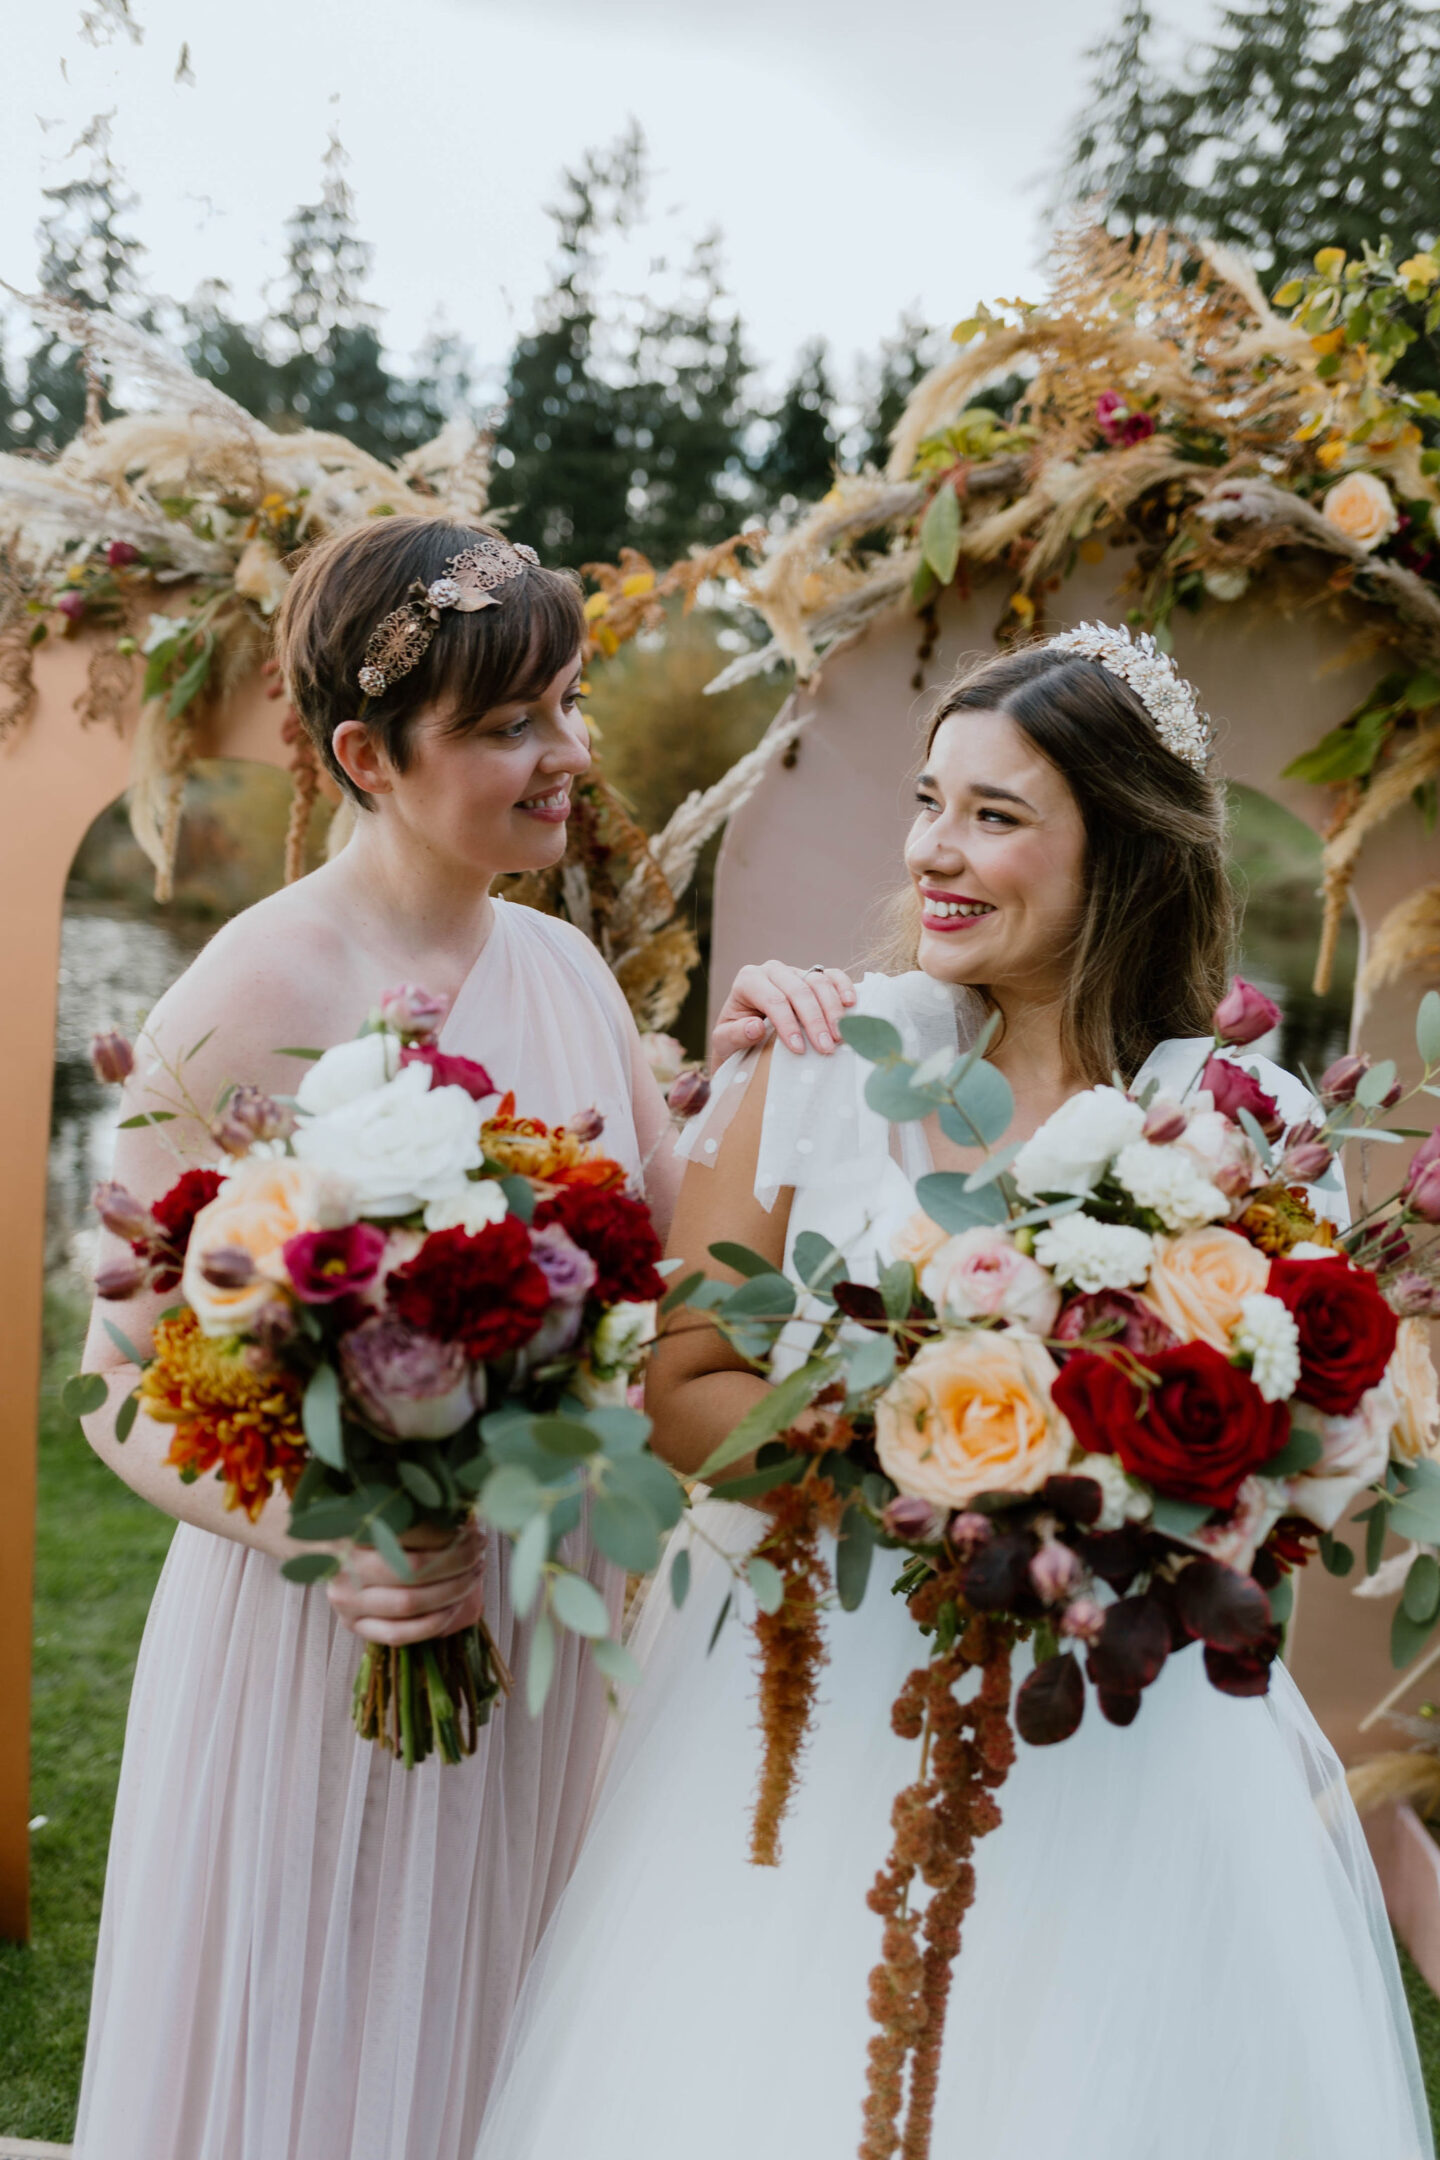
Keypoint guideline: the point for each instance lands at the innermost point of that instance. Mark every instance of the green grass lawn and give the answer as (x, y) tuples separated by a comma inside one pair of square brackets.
[(99, 1551)]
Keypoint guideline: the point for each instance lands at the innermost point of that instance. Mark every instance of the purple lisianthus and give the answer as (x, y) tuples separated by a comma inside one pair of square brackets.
[(567, 1268), (407, 1383), (324, 1265)]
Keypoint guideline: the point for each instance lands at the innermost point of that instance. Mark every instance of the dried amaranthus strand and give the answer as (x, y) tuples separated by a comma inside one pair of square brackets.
[(792, 1650), (967, 1749), (304, 787)]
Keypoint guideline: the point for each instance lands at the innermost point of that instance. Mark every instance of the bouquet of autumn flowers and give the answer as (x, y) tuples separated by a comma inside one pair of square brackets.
[(404, 1310), (1109, 1392)]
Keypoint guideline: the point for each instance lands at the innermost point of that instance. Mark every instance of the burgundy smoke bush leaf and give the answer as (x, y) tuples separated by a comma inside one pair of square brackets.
[(1115, 1555), (859, 1302), (1133, 1645), (1243, 1672), (1226, 1609), (1078, 1499), (1119, 1705), (999, 1573), (1051, 1703)]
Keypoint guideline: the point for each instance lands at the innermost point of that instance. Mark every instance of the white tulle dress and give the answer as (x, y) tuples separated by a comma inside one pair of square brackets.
[(307, 1952), (1178, 1949)]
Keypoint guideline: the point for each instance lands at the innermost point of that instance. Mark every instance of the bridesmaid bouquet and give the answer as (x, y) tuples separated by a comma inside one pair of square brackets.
[(1111, 1390), (406, 1311)]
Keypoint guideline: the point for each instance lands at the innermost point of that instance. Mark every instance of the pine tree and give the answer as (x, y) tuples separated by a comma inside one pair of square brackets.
[(798, 464), (904, 358), (1304, 124), (86, 255)]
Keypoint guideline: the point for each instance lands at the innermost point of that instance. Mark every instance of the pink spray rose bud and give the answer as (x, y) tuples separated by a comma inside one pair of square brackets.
[(1083, 1619), (1339, 1081), (969, 1531), (1422, 1192), (586, 1126), (122, 1213), (1232, 1090), (913, 1520), (1244, 1014), (1414, 1296), (273, 1329), (120, 1278), (413, 1012), (1054, 1571), (71, 605), (228, 1267), (112, 1057), (1165, 1122), (250, 1115), (120, 554), (689, 1094)]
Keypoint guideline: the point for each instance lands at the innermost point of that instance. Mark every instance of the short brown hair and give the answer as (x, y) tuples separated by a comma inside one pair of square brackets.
[(347, 584), (1152, 953)]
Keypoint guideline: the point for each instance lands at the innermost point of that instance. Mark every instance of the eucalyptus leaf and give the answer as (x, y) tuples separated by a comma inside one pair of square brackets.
[(897, 1288), (870, 1038), (995, 1165), (540, 1670), (1375, 1084), (1179, 1518), (123, 1344), (622, 1431), (1407, 1637), (339, 1516), (680, 1578), (1255, 1132), (817, 1261), (146, 1117), (771, 1415), (649, 1481), (125, 1418), (1376, 1525), (741, 1259), (565, 1436), (1337, 1556), (891, 1095), (519, 1197), (308, 1567), (578, 1605), (320, 1415), (985, 1102), (627, 1533), (1421, 1595), (616, 1662), (680, 1293), (854, 1551), (1301, 1452), (947, 1200), (419, 1483), (767, 1583), (83, 1393), (1417, 1516), (869, 1364), (527, 1563), (940, 534), (1282, 1600), (720, 1618), (390, 1549), (509, 1497), (1427, 1029)]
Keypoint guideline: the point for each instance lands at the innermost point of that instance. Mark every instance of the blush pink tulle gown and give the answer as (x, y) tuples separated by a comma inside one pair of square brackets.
[(306, 1952)]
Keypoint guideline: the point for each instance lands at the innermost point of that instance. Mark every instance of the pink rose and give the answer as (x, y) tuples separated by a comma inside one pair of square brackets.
[(1354, 1452), (1232, 1090), (1244, 1014), (981, 1274), (408, 1383)]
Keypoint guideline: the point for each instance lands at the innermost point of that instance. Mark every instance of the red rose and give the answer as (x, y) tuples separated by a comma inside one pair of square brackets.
[(1195, 1432), (448, 1071), (1234, 1090), (484, 1292), (176, 1213), (1347, 1331), (619, 1236)]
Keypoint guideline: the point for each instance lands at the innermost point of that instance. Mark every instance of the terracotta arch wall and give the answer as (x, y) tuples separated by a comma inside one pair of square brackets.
[(55, 778), (805, 862)]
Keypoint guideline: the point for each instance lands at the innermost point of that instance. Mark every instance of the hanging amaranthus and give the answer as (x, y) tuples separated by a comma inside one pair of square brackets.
[(792, 1649), (966, 1750)]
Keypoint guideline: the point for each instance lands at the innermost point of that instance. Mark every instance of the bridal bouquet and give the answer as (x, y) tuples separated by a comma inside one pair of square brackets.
[(405, 1311), (1109, 1392)]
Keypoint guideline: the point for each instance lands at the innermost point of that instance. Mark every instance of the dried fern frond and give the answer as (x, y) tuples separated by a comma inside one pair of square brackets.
[(1410, 1780), (455, 468), (137, 362), (677, 849), (43, 511), (1408, 940), (1391, 788)]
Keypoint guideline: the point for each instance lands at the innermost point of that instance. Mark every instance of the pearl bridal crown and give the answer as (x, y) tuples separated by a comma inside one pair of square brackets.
[(469, 581), (1155, 680)]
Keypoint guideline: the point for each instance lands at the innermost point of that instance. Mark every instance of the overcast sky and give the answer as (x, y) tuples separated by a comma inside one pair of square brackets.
[(859, 158)]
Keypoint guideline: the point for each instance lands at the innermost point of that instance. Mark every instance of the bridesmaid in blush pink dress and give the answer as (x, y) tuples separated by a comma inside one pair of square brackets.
[(306, 1952)]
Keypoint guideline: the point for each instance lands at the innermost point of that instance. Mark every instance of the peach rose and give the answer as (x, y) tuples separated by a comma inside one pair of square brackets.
[(1199, 1281), (262, 1205), (1412, 1370), (972, 1414), (1361, 507), (917, 1241)]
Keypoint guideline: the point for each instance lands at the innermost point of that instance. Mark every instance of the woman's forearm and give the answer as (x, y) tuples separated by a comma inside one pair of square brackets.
[(693, 1416)]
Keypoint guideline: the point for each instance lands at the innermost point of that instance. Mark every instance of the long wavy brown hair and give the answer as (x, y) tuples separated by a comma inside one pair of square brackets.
[(1153, 950)]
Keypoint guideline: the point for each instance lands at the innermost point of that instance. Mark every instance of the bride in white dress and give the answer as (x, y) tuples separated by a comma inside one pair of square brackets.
[(1178, 1949)]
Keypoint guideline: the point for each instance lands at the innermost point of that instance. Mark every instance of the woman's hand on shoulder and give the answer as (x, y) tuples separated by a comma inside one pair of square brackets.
[(802, 1005)]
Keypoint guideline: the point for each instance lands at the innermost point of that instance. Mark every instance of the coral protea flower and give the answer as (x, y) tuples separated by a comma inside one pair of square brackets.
[(228, 1418)]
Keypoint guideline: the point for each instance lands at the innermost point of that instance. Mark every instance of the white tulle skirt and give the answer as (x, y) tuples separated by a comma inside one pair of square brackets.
[(1178, 1949), (306, 1951)]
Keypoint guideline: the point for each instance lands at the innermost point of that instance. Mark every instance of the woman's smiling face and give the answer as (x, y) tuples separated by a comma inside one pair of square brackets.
[(997, 858)]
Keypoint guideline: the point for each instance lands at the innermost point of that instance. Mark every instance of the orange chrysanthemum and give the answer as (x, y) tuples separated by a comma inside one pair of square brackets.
[(229, 1419), (525, 1147)]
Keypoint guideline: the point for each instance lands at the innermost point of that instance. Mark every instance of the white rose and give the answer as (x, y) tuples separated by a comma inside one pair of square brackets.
[(621, 1338), (401, 1145), (350, 1069), (477, 1204), (1095, 1255), (1073, 1148), (1355, 1452), (1169, 1181), (1122, 1499), (1362, 507)]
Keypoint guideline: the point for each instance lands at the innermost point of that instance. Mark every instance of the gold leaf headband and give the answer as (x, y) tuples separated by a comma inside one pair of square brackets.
[(469, 582)]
